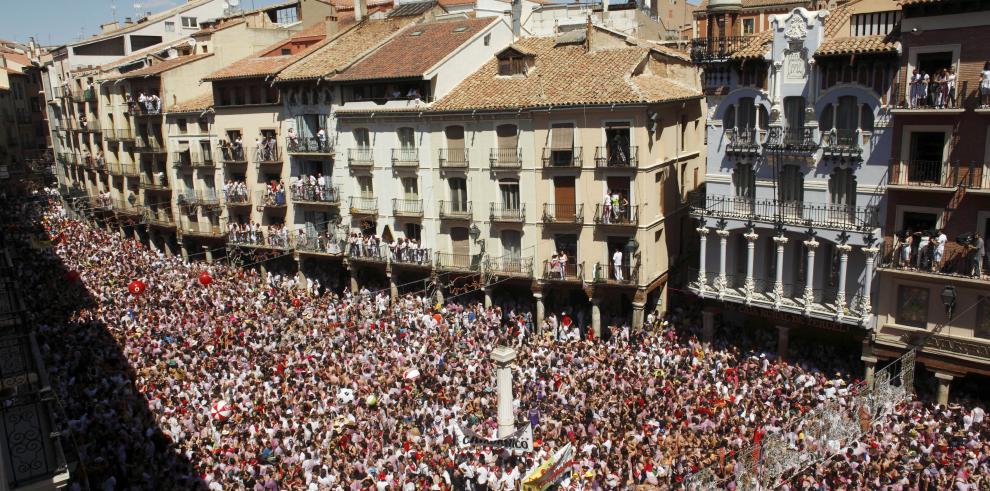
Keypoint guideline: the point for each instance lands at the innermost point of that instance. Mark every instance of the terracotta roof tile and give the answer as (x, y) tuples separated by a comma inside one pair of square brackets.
[(561, 76), (343, 49), (755, 48), (196, 104), (857, 45), (219, 26), (160, 67), (263, 66), (913, 2), (409, 54)]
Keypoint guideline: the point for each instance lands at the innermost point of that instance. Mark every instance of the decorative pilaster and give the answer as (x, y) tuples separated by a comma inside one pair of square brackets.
[(722, 281), (840, 296), (702, 273), (778, 283), (750, 285), (809, 279), (866, 306)]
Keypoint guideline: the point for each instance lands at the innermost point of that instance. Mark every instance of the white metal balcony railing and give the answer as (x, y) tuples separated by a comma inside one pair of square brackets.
[(841, 217)]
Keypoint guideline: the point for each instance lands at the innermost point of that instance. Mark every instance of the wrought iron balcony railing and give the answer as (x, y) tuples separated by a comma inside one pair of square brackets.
[(267, 154), (617, 157), (742, 140), (231, 155), (360, 157), (568, 158), (407, 207), (707, 50), (563, 213), (405, 157), (412, 256), (305, 193), (511, 214), (321, 243), (838, 217), (364, 206), (453, 158), (309, 145), (799, 140), (455, 210), (555, 270), (510, 265), (459, 262), (506, 158), (617, 215), (935, 174)]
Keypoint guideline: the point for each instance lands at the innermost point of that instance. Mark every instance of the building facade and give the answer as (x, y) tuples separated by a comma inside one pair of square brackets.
[(798, 144)]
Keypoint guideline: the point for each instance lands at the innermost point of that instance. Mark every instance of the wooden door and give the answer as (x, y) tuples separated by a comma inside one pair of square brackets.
[(564, 198), (460, 247)]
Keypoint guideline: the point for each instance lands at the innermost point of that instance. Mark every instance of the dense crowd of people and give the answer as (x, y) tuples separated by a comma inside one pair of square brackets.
[(319, 395)]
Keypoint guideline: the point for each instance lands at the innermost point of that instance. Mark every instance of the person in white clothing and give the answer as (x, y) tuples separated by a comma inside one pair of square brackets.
[(617, 264)]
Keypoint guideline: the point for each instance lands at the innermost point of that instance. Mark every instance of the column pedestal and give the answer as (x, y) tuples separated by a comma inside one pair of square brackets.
[(185, 253), (209, 254), (503, 357), (869, 369), (393, 288), (354, 283), (637, 315), (707, 326), (596, 317), (944, 381)]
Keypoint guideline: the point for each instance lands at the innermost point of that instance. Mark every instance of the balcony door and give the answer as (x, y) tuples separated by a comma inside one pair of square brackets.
[(794, 114), (410, 188), (617, 139), (562, 144), (458, 194), (567, 244), (509, 189), (362, 139), (459, 244), (508, 143), (565, 203), (455, 144), (512, 247), (407, 138), (790, 190), (925, 164), (366, 187)]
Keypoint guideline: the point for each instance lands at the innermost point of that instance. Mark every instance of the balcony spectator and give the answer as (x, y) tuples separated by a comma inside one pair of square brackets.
[(617, 264), (985, 86), (607, 207), (940, 241), (293, 140), (950, 82), (414, 94), (321, 139), (238, 148)]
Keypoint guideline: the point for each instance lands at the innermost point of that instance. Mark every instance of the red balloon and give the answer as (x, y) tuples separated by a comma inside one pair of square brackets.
[(205, 279), (136, 287), (72, 276), (296, 302)]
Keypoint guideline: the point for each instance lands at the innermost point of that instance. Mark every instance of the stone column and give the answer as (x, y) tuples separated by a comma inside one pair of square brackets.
[(596, 317), (540, 311), (809, 277), (354, 281), (840, 296), (944, 381), (783, 339), (869, 369), (703, 257), (778, 283), (137, 235), (722, 281), (184, 251), (707, 325), (637, 315), (488, 298), (503, 357), (866, 305), (166, 245), (750, 284), (300, 274), (208, 254)]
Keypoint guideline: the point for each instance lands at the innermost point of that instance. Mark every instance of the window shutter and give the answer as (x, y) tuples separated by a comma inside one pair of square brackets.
[(562, 136)]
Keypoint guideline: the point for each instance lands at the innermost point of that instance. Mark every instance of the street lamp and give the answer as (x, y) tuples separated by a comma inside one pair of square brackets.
[(474, 232), (949, 300)]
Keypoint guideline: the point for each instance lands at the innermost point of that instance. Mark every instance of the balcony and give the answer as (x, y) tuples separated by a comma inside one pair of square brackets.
[(371, 253), (616, 157), (308, 145), (711, 50), (453, 158), (123, 207), (145, 144), (455, 210), (315, 195), (562, 158), (143, 110), (270, 200), (610, 274), (836, 217), (505, 158), (742, 141), (89, 95), (267, 154), (236, 198), (905, 102), (363, 158), (159, 218), (127, 170), (791, 140), (409, 208), (458, 262), (554, 271), (266, 238), (507, 214), (119, 135), (205, 198), (230, 155), (842, 143), (412, 256), (362, 206), (155, 182), (510, 266), (935, 175), (208, 230), (563, 214), (405, 157), (91, 126), (320, 244), (958, 261), (618, 216)]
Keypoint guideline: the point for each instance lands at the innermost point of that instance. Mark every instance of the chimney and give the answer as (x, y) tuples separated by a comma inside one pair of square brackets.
[(128, 21), (331, 26), (360, 10), (604, 6), (109, 26), (516, 18)]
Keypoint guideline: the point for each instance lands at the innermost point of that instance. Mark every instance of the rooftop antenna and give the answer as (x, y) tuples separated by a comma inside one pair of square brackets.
[(113, 10)]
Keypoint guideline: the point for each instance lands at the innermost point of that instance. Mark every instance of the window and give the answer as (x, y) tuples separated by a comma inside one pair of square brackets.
[(794, 113), (286, 51), (842, 187), (744, 181), (181, 123), (407, 137), (912, 306), (510, 193), (511, 65), (286, 16), (874, 23), (562, 144), (361, 138), (366, 187), (488, 39), (458, 194), (169, 26), (982, 327), (508, 136), (189, 23), (748, 26), (204, 126), (410, 188), (791, 186)]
